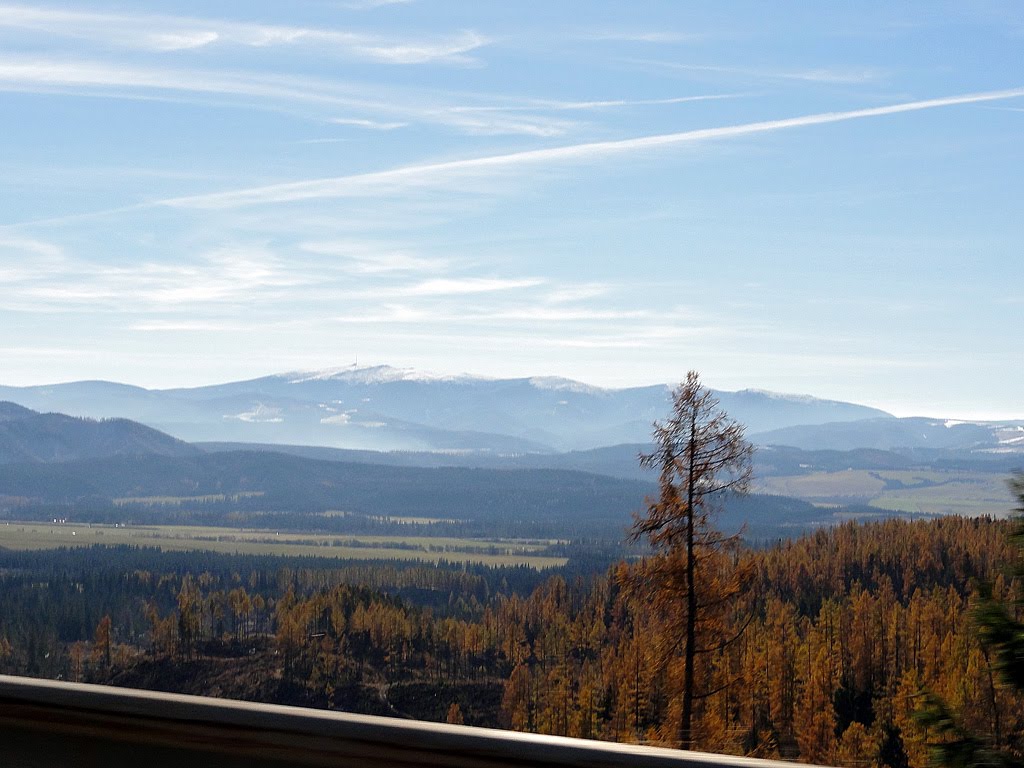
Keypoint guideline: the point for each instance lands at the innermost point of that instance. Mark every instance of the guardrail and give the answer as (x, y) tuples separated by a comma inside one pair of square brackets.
[(57, 724)]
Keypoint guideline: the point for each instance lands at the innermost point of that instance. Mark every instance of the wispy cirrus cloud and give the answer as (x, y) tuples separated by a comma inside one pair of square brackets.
[(13, 246), (477, 316), (161, 33), (27, 259), (31, 73), (544, 104), (466, 285), (433, 174), (375, 125), (191, 326), (356, 287), (653, 335), (578, 292), (824, 75), (639, 36), (544, 314), (220, 280), (373, 258), (319, 98), (221, 275)]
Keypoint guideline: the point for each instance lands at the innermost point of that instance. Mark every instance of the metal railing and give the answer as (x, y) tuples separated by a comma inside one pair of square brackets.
[(57, 725)]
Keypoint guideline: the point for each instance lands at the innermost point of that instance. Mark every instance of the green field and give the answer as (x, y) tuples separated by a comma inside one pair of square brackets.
[(177, 501), (931, 492), (29, 536), (822, 486)]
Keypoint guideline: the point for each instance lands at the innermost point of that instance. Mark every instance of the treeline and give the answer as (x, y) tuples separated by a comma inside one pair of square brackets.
[(843, 630)]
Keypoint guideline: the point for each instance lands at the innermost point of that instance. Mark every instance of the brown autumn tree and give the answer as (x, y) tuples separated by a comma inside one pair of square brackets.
[(455, 714), (102, 641), (701, 456)]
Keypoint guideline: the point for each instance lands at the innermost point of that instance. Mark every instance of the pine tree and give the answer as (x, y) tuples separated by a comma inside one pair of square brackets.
[(701, 456), (102, 641)]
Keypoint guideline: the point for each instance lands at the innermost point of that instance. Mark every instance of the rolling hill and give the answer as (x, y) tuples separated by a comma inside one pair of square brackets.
[(28, 436)]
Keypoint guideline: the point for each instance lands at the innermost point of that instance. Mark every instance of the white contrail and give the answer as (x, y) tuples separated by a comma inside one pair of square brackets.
[(427, 174)]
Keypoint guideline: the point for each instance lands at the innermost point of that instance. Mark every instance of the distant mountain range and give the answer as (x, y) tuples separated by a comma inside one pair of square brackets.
[(392, 409), (385, 408)]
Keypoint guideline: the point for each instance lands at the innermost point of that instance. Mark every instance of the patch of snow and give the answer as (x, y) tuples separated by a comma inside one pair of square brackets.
[(339, 419), (781, 396), (261, 414), (349, 374), (559, 384), (377, 374), (954, 423)]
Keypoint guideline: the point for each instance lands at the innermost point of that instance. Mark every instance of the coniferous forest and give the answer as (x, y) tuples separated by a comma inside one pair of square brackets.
[(833, 647)]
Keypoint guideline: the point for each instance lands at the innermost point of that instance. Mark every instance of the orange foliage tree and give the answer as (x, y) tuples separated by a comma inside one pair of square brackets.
[(701, 456)]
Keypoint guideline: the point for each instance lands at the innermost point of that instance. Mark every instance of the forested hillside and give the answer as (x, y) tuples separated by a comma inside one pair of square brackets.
[(28, 436), (271, 490), (843, 629)]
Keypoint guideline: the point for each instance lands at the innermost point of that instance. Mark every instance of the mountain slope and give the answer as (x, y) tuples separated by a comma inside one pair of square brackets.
[(885, 434), (27, 436)]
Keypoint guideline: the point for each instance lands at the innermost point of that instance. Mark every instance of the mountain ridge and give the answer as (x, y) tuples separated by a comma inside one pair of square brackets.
[(891, 434), (388, 408)]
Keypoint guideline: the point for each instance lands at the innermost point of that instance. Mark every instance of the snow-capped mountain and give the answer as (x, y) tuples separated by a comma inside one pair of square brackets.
[(387, 408), (378, 374)]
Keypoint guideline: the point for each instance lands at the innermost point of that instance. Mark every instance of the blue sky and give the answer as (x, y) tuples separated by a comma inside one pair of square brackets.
[(804, 197)]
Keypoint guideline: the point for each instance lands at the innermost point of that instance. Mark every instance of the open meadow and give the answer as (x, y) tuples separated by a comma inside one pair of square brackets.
[(496, 552), (926, 491)]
